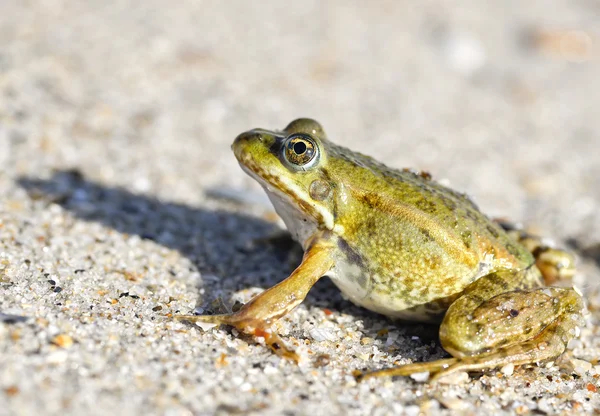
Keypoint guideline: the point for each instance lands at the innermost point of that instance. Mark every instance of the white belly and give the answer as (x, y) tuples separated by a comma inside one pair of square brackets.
[(358, 288)]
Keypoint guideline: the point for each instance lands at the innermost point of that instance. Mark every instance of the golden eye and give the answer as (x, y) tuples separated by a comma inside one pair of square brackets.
[(300, 150)]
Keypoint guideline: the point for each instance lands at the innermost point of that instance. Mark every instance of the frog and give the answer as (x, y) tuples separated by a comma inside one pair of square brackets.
[(398, 243)]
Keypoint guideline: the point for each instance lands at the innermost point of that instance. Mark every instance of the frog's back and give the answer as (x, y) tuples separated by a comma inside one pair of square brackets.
[(424, 242)]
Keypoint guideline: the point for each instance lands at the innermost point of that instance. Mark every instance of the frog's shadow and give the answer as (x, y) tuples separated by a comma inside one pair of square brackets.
[(217, 242)]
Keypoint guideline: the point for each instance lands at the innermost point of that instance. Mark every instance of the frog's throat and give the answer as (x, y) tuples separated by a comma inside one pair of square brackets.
[(288, 192)]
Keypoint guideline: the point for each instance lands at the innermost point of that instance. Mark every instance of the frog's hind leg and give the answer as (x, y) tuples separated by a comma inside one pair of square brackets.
[(555, 264), (547, 345), (492, 325)]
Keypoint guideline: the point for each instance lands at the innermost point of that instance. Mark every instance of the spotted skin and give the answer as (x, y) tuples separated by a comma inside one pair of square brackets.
[(398, 243)]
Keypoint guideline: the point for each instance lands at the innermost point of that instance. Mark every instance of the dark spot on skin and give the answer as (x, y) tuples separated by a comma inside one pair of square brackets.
[(505, 224), (426, 234), (368, 200), (502, 342), (497, 280), (449, 203), (426, 206), (505, 351), (476, 298), (424, 292), (528, 330), (435, 262), (478, 327), (492, 230), (371, 227), (351, 255), (511, 248), (467, 238), (471, 215), (514, 313)]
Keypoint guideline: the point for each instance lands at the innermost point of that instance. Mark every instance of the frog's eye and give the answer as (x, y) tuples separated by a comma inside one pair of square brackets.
[(300, 150)]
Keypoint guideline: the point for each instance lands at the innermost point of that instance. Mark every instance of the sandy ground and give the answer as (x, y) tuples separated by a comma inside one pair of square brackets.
[(122, 205)]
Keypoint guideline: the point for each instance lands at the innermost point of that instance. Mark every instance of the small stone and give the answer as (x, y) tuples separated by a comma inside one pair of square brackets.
[(320, 334), (205, 326), (392, 337), (420, 377), (522, 409), (57, 357), (545, 405), (322, 360), (412, 410), (574, 343), (581, 367), (366, 340), (11, 391), (63, 341), (508, 369), (459, 377), (456, 404)]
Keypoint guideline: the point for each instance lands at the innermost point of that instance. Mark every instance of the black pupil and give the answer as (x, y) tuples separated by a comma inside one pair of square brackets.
[(299, 148)]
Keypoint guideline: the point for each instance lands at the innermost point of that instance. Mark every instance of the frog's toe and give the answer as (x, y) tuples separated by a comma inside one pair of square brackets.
[(239, 320), (432, 367), (556, 265), (247, 326), (225, 319)]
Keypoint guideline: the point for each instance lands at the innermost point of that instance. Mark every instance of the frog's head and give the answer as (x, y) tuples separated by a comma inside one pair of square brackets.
[(291, 166)]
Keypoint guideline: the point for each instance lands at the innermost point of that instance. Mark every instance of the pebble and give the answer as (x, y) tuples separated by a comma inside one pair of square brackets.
[(456, 378), (581, 367), (508, 369), (63, 341)]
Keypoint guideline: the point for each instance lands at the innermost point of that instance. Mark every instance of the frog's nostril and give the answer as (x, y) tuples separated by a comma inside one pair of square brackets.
[(243, 141)]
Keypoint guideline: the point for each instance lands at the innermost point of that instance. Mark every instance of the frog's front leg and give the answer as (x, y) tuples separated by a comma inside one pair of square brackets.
[(256, 317), (492, 325)]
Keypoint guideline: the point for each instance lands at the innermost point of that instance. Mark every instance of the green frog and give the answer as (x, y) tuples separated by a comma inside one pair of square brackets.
[(398, 243)]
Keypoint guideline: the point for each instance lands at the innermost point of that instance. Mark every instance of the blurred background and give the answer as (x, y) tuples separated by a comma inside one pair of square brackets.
[(497, 99), (500, 98)]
